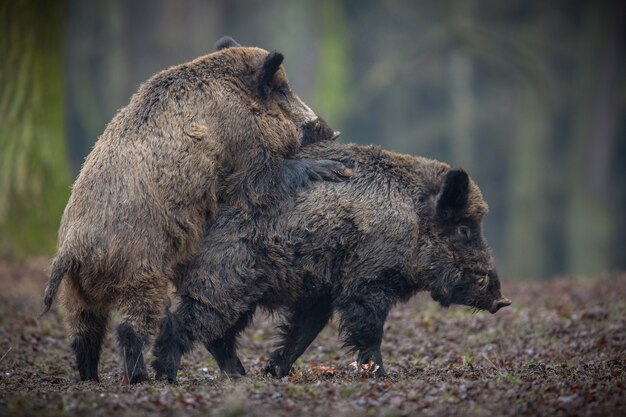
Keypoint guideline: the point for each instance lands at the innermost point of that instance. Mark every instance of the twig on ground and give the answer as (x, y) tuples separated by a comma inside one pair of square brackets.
[(6, 353)]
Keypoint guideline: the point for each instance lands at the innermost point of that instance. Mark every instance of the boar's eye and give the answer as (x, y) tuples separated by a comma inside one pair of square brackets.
[(483, 281), (283, 92), (464, 232)]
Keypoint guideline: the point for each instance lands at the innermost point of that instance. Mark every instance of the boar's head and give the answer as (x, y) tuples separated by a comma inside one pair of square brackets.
[(461, 265), (269, 80)]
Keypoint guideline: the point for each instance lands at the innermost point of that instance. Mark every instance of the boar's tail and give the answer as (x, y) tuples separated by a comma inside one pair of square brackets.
[(60, 266)]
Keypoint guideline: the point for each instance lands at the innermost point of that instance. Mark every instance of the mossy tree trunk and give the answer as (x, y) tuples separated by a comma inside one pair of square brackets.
[(34, 170)]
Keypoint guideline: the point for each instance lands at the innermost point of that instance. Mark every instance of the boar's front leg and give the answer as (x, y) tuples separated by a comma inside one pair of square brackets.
[(362, 321), (225, 350), (300, 329), (298, 173)]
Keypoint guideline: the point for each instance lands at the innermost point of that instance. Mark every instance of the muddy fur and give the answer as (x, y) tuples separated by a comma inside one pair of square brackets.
[(399, 225), (223, 127)]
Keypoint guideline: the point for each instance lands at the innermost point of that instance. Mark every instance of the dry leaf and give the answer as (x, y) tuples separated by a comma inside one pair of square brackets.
[(322, 370), (366, 368)]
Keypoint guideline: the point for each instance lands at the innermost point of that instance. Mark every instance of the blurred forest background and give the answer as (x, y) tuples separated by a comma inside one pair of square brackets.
[(528, 96)]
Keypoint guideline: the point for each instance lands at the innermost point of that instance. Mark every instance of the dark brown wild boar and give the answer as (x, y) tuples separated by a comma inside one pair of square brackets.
[(219, 127), (399, 225)]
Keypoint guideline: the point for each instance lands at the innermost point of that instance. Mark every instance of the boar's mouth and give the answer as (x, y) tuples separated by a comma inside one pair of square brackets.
[(317, 130)]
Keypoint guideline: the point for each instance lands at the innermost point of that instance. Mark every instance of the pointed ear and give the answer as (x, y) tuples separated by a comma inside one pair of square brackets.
[(270, 66), (226, 42), (454, 194)]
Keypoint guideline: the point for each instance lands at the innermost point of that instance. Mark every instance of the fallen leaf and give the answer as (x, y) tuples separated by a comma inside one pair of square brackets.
[(366, 368), (322, 370)]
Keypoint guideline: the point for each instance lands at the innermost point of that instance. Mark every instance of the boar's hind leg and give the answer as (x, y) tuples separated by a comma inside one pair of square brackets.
[(196, 321), (300, 329), (141, 312), (87, 329), (362, 322), (212, 302), (131, 349), (224, 350)]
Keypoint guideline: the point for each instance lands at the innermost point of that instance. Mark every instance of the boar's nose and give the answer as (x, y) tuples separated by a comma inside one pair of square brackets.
[(498, 304), (317, 130)]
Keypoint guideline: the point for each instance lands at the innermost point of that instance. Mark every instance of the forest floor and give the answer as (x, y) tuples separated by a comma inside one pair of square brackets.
[(559, 350)]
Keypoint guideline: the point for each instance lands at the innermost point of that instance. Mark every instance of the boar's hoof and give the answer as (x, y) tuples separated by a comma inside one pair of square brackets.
[(276, 371), (140, 375), (276, 366), (162, 370), (234, 369)]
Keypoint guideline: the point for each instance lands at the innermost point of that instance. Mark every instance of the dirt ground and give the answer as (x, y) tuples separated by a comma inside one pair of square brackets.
[(560, 350)]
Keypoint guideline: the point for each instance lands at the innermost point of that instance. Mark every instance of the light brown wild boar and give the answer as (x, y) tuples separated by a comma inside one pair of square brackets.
[(140, 203)]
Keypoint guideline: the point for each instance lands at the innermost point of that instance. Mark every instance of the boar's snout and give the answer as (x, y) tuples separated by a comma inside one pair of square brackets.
[(498, 304), (317, 130)]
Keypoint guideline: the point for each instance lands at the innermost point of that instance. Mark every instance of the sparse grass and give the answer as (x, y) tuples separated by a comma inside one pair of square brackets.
[(560, 350)]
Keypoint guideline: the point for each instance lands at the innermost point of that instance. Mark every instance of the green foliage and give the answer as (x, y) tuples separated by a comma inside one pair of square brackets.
[(34, 170)]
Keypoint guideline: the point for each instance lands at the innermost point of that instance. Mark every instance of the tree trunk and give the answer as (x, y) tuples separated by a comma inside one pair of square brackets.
[(590, 225), (34, 169), (526, 249)]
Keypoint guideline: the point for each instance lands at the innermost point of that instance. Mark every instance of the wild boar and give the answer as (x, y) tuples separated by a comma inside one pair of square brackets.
[(225, 126), (399, 225)]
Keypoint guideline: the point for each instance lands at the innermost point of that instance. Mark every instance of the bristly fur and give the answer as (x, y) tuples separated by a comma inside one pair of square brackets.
[(192, 135), (62, 265), (355, 247)]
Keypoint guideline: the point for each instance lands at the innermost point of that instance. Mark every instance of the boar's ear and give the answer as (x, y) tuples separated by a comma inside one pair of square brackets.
[(270, 66), (453, 195), (226, 42)]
